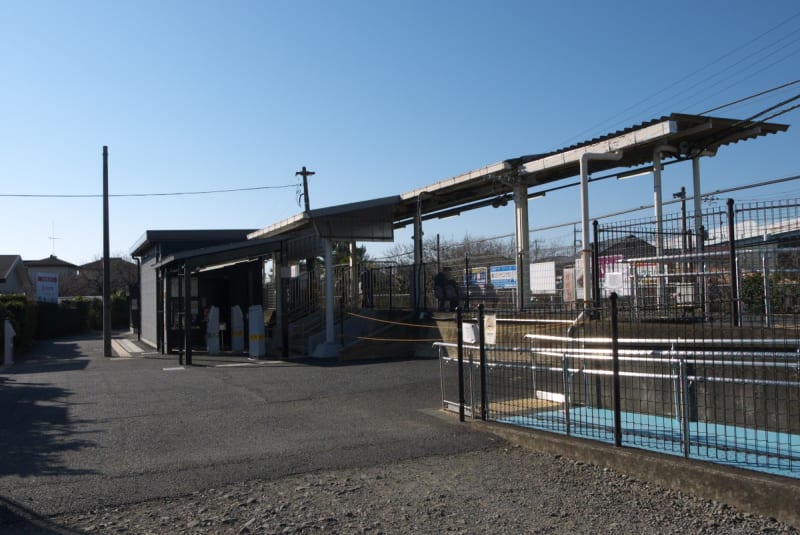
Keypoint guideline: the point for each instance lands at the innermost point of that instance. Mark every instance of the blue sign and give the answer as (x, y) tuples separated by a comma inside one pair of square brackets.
[(503, 276)]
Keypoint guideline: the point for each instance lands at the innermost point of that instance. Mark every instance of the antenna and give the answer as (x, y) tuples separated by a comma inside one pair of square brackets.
[(53, 238)]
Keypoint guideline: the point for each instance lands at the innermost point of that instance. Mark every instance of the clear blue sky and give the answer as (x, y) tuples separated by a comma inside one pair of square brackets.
[(378, 97)]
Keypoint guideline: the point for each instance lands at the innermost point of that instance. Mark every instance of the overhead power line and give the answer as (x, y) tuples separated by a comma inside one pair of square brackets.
[(754, 95), (167, 194), (672, 89)]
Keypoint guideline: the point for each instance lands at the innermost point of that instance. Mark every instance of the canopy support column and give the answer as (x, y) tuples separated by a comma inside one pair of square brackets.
[(523, 245), (418, 291), (586, 247), (659, 213), (329, 348)]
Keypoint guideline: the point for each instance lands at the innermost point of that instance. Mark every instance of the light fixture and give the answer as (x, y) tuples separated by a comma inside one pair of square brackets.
[(537, 195), (634, 173)]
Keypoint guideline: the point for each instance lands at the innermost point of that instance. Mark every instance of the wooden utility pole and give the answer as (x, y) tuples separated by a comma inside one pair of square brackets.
[(106, 262), (305, 174)]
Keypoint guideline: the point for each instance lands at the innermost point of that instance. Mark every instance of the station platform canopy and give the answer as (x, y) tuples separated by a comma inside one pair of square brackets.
[(301, 236), (492, 185)]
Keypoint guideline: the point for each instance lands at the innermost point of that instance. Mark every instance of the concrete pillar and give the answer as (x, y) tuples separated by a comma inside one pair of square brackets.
[(586, 248), (659, 213), (277, 277), (419, 276), (330, 348), (523, 244), (697, 200)]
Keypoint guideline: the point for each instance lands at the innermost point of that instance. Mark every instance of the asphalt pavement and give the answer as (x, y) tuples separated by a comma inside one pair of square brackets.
[(79, 430)]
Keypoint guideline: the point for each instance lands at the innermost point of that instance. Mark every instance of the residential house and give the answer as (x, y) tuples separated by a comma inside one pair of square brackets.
[(14, 277)]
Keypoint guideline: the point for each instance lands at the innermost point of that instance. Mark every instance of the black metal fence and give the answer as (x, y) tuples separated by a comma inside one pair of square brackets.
[(689, 344), (723, 394), (739, 264)]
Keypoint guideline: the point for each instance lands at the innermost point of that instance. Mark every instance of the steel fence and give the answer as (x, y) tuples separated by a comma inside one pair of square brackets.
[(740, 264), (710, 392)]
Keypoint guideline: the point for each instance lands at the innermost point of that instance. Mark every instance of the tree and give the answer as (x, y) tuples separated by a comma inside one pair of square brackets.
[(88, 281), (341, 253)]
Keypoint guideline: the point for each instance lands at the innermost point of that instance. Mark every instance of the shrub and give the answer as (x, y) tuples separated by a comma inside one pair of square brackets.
[(22, 313)]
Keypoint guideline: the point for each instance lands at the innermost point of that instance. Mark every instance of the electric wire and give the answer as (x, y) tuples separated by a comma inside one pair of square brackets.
[(755, 95), (166, 194), (739, 76), (702, 69)]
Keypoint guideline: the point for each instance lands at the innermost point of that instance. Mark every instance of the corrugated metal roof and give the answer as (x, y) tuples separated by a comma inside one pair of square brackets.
[(690, 134)]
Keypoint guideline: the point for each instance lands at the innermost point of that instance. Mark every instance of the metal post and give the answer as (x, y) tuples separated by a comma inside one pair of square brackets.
[(701, 247), (482, 350), (106, 262), (391, 285), (565, 361), (341, 319), (187, 312), (438, 255), (615, 384), (684, 400), (460, 343), (767, 290), (595, 264), (521, 295), (635, 293), (467, 277), (732, 263)]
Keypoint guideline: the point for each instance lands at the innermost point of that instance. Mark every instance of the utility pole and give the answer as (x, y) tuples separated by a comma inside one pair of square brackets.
[(106, 262), (305, 174)]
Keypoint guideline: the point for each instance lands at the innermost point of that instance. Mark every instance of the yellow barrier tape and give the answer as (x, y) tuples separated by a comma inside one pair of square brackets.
[(257, 337)]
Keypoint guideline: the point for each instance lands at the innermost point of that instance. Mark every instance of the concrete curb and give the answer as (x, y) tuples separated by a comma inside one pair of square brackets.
[(754, 492)]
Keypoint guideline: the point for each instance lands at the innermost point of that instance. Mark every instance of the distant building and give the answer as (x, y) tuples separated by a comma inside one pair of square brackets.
[(14, 277), (47, 269)]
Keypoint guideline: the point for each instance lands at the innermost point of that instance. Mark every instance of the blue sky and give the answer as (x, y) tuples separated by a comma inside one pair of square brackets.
[(377, 97)]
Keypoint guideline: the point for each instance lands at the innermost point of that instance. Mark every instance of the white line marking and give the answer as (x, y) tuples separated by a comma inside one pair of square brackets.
[(118, 349), (173, 369)]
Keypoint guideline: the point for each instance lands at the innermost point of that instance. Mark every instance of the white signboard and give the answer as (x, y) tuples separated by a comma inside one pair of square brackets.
[(490, 328), (47, 287), (543, 278), (503, 276)]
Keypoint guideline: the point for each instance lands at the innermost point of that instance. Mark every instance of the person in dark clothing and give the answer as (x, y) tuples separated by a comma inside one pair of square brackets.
[(446, 290), (439, 283)]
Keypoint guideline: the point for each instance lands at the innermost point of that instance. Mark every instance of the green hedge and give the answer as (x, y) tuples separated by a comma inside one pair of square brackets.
[(32, 320), (22, 313)]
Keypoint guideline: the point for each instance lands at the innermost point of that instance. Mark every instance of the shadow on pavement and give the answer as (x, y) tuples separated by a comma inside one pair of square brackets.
[(36, 429), (52, 355)]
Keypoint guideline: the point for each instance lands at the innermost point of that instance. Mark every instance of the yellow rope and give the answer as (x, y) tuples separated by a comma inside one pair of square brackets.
[(394, 322), (399, 339)]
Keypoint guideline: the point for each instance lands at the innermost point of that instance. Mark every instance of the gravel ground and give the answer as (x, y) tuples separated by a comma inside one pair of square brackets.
[(502, 489)]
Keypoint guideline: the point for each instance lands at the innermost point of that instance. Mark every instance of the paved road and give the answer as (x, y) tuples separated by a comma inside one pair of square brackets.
[(79, 430)]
